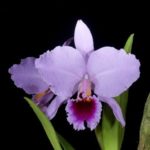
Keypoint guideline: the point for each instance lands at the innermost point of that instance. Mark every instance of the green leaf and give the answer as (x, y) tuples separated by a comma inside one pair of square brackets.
[(110, 133), (110, 130), (98, 133), (64, 143), (144, 143), (122, 100), (48, 127), (129, 43)]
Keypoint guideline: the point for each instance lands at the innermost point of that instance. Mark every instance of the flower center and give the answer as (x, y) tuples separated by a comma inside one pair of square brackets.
[(84, 90), (85, 108)]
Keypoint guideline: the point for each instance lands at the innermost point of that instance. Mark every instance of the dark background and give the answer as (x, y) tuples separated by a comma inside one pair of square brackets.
[(27, 30)]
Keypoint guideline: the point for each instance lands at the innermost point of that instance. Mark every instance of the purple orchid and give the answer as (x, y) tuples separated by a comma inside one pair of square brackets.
[(106, 72), (26, 77)]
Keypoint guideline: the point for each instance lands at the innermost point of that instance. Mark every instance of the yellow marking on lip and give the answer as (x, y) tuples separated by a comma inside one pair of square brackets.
[(87, 99), (88, 91), (41, 94)]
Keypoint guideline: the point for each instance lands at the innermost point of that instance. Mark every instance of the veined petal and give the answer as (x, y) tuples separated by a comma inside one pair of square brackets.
[(62, 68), (53, 107), (115, 108), (26, 76), (112, 71), (83, 38)]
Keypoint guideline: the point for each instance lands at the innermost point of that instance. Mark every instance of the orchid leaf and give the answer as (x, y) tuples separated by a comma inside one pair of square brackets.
[(129, 43), (98, 133), (48, 127), (64, 143), (122, 100), (144, 143), (107, 133)]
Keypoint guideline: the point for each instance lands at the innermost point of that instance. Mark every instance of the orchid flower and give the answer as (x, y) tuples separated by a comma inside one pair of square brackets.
[(96, 76), (26, 77)]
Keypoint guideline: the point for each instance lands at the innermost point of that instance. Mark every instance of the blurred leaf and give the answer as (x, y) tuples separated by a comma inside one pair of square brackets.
[(144, 143), (48, 127), (110, 133), (99, 137), (64, 143)]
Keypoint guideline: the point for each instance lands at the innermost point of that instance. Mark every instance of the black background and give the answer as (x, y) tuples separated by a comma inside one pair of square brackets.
[(31, 30)]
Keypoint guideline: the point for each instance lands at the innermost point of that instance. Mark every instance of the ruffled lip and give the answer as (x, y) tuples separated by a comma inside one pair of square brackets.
[(87, 110)]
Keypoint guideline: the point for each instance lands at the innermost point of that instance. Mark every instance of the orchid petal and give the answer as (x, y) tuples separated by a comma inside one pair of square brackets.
[(62, 68), (112, 71), (115, 108), (26, 76), (53, 107), (83, 38)]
